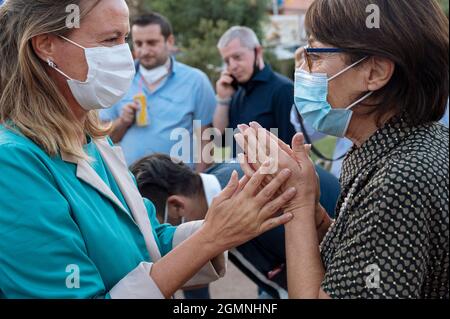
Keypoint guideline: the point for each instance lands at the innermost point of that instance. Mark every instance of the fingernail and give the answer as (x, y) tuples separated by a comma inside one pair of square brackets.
[(286, 172), (292, 190), (241, 128)]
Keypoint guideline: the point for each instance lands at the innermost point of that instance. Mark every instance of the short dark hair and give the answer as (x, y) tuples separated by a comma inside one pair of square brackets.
[(154, 18), (414, 34), (158, 177)]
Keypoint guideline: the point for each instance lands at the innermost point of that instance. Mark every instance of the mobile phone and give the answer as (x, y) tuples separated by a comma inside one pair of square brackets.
[(235, 83)]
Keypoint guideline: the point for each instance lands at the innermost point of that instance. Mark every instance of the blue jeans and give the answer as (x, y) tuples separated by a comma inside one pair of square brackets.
[(201, 293)]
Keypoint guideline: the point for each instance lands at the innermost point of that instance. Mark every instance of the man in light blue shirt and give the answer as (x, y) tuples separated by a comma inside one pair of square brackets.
[(176, 96)]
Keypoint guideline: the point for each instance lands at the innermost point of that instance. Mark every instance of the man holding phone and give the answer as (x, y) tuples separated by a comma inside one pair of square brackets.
[(248, 89)]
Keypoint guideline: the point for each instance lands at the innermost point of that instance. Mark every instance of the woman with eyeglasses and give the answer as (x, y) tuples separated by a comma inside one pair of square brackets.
[(385, 89)]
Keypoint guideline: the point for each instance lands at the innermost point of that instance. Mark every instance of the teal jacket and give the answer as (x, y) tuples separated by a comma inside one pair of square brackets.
[(69, 231)]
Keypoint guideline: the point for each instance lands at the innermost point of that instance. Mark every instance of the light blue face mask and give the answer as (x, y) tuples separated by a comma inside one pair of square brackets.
[(311, 100)]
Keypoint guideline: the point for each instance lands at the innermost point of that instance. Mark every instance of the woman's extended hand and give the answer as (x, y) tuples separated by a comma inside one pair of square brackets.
[(245, 210), (260, 145)]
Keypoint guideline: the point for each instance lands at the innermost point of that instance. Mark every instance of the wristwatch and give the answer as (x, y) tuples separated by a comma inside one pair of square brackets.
[(224, 102)]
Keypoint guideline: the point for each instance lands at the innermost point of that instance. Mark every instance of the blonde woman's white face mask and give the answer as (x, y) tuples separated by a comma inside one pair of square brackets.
[(111, 72)]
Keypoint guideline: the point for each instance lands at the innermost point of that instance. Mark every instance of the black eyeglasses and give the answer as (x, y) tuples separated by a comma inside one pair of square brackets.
[(308, 50)]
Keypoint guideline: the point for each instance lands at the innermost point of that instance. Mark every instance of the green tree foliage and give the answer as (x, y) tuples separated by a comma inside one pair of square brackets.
[(201, 51), (445, 5)]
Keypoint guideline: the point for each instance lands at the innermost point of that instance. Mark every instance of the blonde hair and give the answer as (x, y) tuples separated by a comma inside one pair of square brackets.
[(29, 100)]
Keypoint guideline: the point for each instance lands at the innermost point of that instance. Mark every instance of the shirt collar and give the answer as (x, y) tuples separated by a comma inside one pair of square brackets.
[(375, 148), (174, 65), (263, 75)]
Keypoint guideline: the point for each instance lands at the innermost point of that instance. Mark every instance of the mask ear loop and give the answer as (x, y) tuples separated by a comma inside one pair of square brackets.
[(70, 41), (301, 66), (359, 101), (53, 65), (347, 68), (166, 213)]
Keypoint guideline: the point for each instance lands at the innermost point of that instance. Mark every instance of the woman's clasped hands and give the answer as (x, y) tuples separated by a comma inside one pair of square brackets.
[(261, 146)]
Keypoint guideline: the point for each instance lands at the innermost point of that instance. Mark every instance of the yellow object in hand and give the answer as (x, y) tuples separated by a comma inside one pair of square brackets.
[(142, 114)]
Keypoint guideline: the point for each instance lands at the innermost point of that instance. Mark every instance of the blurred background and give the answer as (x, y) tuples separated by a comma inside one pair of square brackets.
[(198, 24)]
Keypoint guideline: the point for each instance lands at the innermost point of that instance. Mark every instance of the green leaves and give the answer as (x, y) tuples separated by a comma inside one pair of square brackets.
[(445, 5), (185, 15)]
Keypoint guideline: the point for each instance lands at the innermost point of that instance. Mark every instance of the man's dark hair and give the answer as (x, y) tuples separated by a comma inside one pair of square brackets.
[(152, 18), (158, 177)]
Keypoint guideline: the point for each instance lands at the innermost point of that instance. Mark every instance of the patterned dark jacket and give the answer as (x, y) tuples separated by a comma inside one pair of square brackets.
[(391, 235)]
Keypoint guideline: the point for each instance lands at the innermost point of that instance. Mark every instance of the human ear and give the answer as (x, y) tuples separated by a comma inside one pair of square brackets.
[(44, 46), (259, 56), (176, 206), (379, 73), (171, 41)]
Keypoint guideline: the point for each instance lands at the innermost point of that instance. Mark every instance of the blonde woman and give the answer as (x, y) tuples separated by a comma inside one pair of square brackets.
[(72, 222)]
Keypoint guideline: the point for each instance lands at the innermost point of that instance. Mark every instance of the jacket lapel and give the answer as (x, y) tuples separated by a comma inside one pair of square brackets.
[(88, 175), (115, 160)]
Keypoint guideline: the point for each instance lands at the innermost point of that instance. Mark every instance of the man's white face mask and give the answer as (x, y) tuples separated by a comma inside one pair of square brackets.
[(155, 75), (111, 72)]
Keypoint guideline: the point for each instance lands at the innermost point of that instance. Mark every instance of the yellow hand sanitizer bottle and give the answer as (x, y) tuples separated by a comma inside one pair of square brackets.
[(142, 114)]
